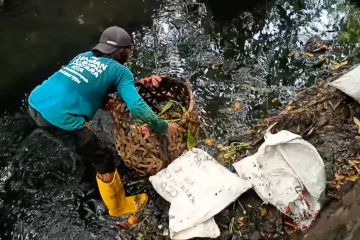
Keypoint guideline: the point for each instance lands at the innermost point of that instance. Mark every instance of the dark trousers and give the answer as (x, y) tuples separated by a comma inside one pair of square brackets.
[(83, 142)]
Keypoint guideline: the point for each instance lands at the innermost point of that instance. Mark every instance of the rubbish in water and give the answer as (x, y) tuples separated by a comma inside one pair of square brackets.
[(133, 220), (289, 173), (198, 187), (228, 153), (349, 83)]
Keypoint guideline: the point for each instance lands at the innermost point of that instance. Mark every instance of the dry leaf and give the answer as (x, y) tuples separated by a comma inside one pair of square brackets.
[(287, 109), (276, 102), (309, 55), (186, 116), (322, 59), (340, 65), (355, 164), (353, 178), (339, 177), (241, 221), (237, 106), (210, 141), (133, 220), (357, 123), (301, 94), (263, 211), (219, 147)]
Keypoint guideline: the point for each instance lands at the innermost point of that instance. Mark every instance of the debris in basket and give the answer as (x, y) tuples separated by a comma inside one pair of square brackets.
[(171, 110), (148, 153)]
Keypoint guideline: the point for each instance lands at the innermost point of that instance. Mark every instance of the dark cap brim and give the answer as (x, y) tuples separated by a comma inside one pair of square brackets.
[(105, 48)]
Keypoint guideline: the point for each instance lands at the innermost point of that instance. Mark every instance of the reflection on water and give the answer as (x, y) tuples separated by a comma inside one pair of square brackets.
[(245, 57), (248, 56)]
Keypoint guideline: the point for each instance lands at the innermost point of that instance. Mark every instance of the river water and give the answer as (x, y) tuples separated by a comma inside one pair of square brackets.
[(234, 54)]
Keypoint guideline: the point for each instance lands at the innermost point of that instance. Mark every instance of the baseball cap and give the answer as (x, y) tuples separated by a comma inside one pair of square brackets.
[(113, 38)]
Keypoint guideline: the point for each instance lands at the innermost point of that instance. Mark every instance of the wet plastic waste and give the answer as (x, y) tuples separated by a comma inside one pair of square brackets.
[(198, 187), (349, 83), (286, 172)]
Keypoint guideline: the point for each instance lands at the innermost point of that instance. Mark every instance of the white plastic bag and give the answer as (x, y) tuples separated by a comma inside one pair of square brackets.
[(198, 187), (289, 173), (349, 83)]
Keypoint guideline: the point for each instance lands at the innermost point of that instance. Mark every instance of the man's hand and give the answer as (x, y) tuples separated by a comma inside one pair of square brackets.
[(174, 130), (151, 82), (145, 131)]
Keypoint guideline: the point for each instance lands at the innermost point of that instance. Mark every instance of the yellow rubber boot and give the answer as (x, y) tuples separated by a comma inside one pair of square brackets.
[(113, 195)]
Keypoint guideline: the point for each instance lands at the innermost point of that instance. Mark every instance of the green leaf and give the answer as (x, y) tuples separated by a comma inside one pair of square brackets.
[(172, 107), (166, 107), (183, 108), (190, 140)]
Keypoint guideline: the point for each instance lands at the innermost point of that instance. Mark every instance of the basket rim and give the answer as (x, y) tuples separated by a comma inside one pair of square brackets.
[(185, 83)]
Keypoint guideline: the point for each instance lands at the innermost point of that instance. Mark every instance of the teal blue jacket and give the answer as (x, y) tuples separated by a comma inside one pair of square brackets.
[(72, 95)]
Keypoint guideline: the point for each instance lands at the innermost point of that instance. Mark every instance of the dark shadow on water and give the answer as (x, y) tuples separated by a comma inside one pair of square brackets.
[(226, 10), (39, 36)]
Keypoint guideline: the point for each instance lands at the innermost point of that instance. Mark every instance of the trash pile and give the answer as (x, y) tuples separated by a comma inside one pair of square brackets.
[(326, 118), (198, 187), (287, 171), (321, 116)]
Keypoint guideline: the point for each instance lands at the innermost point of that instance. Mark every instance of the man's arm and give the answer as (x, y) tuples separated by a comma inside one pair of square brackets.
[(136, 104)]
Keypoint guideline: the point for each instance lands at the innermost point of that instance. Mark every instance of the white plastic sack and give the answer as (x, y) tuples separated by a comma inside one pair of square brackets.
[(198, 187), (349, 83), (289, 173)]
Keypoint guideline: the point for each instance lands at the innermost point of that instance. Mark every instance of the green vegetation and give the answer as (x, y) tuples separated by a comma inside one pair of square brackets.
[(349, 37)]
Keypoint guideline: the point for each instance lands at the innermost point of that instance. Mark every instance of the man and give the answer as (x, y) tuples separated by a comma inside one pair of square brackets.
[(70, 97)]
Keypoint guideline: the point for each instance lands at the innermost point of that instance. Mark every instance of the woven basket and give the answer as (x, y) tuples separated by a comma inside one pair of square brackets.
[(148, 156)]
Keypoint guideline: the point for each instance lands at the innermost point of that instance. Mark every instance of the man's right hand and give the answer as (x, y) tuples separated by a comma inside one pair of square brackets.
[(174, 130)]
